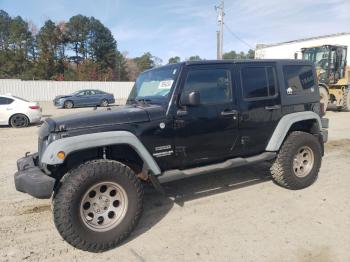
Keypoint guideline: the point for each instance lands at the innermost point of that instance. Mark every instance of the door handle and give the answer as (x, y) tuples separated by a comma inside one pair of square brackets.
[(233, 113), (275, 107)]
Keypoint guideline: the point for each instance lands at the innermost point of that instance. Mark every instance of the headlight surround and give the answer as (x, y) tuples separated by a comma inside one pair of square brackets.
[(52, 137)]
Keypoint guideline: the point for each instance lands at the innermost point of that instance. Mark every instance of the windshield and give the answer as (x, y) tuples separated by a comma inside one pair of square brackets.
[(155, 84), (75, 93), (318, 55)]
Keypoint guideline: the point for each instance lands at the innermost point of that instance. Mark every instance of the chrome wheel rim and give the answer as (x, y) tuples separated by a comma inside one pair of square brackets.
[(69, 104), (104, 103), (103, 206), (303, 161)]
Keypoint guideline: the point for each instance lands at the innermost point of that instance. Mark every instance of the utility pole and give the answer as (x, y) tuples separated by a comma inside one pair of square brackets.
[(220, 31)]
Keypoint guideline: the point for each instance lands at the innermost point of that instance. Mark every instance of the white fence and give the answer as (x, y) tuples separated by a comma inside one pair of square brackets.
[(47, 90)]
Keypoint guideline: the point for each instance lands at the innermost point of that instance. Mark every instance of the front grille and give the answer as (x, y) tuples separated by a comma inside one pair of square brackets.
[(42, 138)]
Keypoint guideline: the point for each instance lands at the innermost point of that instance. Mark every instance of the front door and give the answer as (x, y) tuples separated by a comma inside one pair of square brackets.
[(207, 133)]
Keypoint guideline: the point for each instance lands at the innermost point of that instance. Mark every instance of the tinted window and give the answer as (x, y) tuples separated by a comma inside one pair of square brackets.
[(299, 79), (258, 82), (5, 101), (214, 85)]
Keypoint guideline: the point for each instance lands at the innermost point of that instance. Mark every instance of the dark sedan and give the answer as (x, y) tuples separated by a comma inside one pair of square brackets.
[(90, 97)]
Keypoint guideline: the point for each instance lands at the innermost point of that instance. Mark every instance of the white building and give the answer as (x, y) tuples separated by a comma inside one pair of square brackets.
[(292, 49)]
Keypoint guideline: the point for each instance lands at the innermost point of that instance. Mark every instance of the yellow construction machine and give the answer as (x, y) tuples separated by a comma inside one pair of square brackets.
[(333, 74)]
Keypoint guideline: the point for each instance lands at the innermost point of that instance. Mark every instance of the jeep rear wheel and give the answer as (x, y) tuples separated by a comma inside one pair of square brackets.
[(98, 205), (298, 161)]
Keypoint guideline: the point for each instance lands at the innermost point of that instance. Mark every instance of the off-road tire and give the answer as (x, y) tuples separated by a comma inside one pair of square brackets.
[(68, 104), (282, 167), (324, 97), (346, 100), (67, 204), (19, 121)]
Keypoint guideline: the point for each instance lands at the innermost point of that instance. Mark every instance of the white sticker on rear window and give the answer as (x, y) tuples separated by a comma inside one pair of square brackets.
[(166, 84)]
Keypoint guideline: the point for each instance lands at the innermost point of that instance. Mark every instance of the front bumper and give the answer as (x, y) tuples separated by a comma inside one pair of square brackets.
[(31, 179), (58, 103)]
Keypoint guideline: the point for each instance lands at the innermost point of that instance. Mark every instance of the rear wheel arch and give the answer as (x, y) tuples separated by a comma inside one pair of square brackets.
[(308, 122)]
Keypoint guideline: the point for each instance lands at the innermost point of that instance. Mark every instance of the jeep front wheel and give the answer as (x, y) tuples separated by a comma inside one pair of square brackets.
[(98, 205), (298, 161)]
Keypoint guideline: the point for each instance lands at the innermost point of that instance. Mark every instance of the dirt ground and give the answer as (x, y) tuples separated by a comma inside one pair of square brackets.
[(238, 215)]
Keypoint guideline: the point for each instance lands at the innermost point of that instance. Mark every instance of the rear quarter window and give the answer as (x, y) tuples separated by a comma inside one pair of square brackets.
[(5, 101), (299, 79)]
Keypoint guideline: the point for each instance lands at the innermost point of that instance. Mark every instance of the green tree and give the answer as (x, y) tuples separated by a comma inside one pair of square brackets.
[(144, 62), (234, 55), (230, 55), (5, 21), (194, 58), (102, 46), (174, 60), (121, 68), (77, 32), (48, 42), (251, 54), (16, 41)]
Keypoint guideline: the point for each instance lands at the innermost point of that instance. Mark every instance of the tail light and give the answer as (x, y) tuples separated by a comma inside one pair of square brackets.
[(34, 107)]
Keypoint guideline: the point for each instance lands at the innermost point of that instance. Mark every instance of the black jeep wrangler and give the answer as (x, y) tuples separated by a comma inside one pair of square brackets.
[(180, 120)]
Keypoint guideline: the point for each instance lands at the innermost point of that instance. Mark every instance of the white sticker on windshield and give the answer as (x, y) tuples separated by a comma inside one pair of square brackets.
[(174, 71), (166, 84)]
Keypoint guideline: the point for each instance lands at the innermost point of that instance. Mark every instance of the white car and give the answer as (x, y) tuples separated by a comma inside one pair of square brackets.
[(17, 112)]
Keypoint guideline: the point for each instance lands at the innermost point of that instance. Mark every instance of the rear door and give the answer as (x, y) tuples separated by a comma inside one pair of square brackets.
[(93, 98), (260, 105), (207, 132)]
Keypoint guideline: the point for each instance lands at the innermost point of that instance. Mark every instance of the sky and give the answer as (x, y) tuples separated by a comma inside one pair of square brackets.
[(188, 27)]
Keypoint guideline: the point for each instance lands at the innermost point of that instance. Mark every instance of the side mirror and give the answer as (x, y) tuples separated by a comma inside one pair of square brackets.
[(190, 99)]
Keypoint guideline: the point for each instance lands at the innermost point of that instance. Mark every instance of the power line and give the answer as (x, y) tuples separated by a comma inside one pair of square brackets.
[(236, 36)]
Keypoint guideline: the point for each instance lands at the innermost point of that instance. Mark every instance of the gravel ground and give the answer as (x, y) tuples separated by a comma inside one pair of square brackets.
[(238, 215)]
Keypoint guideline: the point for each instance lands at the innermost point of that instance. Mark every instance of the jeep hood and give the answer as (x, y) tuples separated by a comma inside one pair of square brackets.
[(103, 117)]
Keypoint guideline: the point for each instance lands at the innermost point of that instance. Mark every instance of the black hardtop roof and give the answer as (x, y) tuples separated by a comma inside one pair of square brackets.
[(239, 61), (236, 61)]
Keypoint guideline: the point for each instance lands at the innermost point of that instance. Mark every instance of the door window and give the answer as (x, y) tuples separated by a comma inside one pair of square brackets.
[(214, 85), (258, 82)]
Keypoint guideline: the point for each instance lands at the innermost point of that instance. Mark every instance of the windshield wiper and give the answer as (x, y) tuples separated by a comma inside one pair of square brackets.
[(141, 101)]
